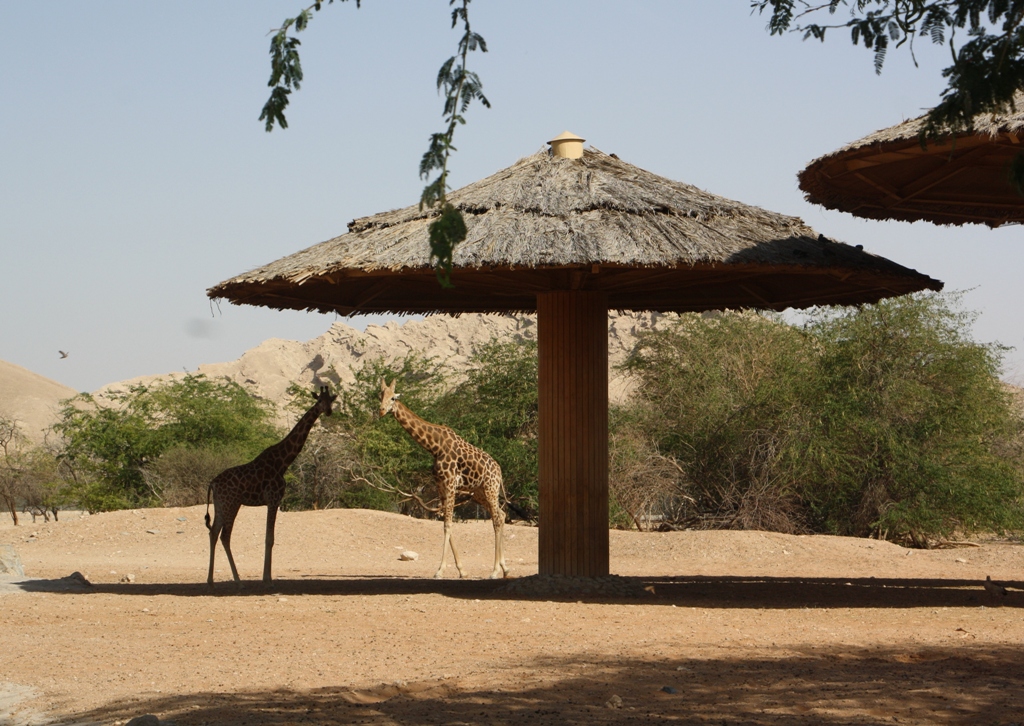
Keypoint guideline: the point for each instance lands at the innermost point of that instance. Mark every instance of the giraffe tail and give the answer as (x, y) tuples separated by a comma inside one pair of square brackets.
[(209, 491)]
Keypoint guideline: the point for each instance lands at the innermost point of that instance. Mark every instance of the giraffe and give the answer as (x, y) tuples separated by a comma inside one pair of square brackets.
[(256, 484), (458, 467)]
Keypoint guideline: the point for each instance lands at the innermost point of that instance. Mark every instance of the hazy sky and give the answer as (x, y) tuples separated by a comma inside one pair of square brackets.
[(134, 173)]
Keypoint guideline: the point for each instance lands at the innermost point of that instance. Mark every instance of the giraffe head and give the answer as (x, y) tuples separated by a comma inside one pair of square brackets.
[(324, 400), (387, 397)]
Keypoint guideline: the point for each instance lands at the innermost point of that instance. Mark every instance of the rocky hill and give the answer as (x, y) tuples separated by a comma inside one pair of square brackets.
[(271, 367)]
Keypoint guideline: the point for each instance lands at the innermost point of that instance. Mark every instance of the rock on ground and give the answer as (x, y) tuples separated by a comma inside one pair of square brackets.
[(10, 562)]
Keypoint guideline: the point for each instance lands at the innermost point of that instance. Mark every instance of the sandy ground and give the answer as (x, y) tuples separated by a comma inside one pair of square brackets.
[(735, 628)]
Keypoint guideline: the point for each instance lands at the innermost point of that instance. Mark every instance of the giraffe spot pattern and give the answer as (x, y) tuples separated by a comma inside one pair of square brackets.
[(458, 467), (260, 483)]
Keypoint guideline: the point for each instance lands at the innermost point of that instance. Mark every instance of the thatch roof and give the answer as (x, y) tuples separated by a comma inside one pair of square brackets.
[(596, 223), (957, 179)]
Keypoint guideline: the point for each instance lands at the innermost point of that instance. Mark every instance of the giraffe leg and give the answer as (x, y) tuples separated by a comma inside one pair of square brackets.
[(225, 539), (498, 519), (449, 511), (455, 552), (223, 520), (444, 552), (214, 534), (444, 549), (271, 519), (446, 512)]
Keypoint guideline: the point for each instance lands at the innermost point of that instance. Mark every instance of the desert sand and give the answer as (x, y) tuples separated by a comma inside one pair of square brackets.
[(716, 627), (31, 400)]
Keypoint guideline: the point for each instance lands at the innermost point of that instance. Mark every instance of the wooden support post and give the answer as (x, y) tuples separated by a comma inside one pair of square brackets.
[(572, 338)]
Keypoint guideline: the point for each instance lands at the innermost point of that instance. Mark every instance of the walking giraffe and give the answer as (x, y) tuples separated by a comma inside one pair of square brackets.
[(256, 484), (458, 467)]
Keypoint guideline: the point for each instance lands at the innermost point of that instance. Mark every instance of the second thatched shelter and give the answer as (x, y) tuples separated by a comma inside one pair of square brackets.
[(571, 234), (959, 178)]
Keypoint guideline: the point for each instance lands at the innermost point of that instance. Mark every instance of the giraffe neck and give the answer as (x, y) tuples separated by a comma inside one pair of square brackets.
[(283, 453), (421, 430)]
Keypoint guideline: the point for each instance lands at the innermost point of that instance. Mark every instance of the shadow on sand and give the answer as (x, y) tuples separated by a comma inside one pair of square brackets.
[(703, 592), (830, 686)]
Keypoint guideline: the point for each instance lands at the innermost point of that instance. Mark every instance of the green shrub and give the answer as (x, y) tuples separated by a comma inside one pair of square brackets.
[(885, 419), (917, 436), (29, 474), (724, 397), (181, 476), (494, 406), (106, 449)]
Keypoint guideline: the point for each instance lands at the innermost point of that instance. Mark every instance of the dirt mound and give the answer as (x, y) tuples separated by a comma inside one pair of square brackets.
[(30, 399)]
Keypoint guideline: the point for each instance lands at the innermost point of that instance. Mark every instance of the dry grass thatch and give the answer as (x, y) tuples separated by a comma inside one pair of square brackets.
[(958, 179), (595, 223)]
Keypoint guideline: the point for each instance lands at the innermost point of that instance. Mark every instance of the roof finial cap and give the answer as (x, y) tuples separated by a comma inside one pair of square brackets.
[(567, 145)]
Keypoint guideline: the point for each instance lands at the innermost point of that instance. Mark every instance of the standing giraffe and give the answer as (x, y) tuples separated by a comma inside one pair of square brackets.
[(257, 484), (458, 467)]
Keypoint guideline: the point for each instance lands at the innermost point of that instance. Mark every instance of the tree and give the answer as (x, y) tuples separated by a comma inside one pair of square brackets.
[(641, 480), (885, 420), (460, 87), (28, 474), (42, 487), (361, 460), (986, 70), (109, 447), (322, 474), (916, 435), (726, 397), (10, 468)]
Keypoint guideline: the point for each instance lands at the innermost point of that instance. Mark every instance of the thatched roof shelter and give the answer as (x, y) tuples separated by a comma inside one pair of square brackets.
[(595, 223), (571, 234), (957, 179)]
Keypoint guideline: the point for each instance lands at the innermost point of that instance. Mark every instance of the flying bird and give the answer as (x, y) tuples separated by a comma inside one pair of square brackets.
[(62, 354)]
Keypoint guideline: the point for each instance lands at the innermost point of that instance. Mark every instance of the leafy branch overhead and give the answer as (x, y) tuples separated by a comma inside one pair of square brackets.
[(285, 65), (460, 87), (987, 66)]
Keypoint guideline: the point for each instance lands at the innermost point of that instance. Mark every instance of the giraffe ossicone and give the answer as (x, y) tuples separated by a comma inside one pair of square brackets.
[(260, 483), (458, 467)]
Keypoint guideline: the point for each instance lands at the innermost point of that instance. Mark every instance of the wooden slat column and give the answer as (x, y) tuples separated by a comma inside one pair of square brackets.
[(572, 337)]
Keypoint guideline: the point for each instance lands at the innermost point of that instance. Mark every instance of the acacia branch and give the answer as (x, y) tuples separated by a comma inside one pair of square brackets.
[(391, 489), (461, 87), (986, 70), (285, 65)]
